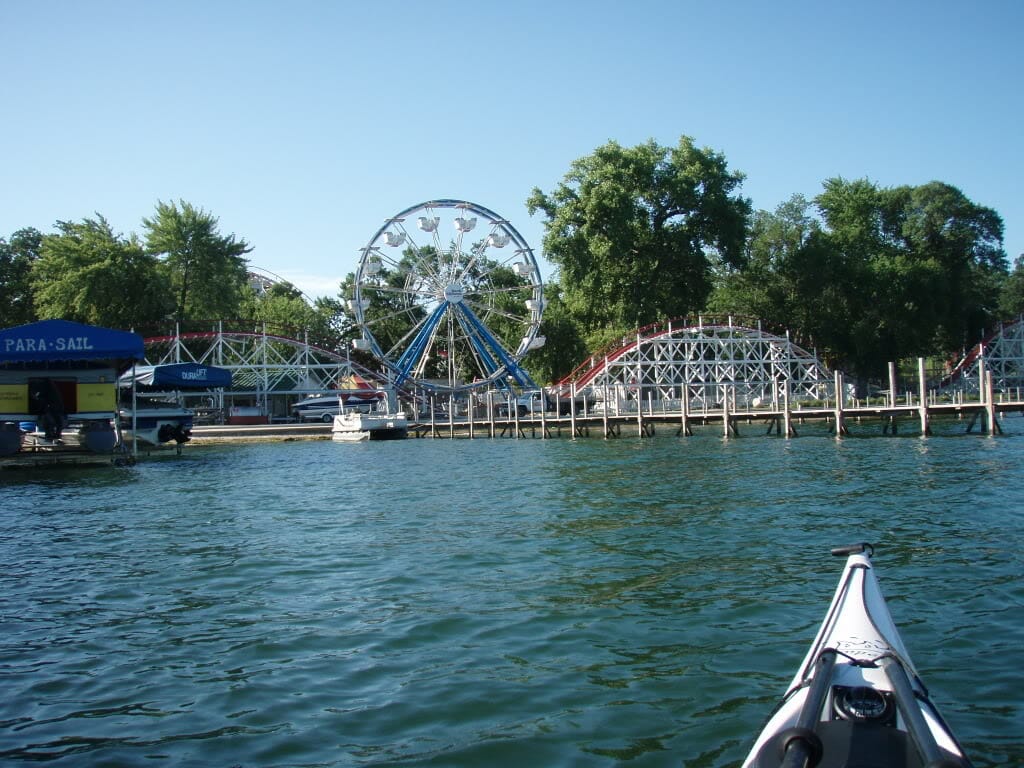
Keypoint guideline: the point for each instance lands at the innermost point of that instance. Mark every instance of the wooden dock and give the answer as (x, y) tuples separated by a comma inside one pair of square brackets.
[(873, 419)]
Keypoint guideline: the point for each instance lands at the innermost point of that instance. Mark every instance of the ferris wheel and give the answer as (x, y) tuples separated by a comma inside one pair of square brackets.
[(449, 296)]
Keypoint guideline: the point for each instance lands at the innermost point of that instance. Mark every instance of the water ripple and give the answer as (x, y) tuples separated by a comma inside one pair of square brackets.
[(462, 603)]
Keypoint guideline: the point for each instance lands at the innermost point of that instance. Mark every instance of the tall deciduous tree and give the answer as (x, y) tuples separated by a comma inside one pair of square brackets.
[(962, 242), (285, 308), (885, 274), (17, 256), (795, 279), (635, 232), (86, 272), (928, 262), (207, 269), (1011, 295)]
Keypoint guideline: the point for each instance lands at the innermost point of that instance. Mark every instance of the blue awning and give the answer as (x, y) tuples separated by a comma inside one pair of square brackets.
[(177, 376), (53, 340)]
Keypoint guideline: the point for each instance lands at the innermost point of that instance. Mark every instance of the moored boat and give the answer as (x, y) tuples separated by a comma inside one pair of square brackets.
[(856, 699), (152, 412), (354, 426), (156, 422), (324, 407)]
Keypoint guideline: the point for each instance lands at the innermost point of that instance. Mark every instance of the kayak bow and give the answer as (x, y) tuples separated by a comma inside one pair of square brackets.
[(856, 699)]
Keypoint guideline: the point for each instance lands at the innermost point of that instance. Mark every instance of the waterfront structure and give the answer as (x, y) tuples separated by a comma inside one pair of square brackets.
[(691, 369), (58, 384), (269, 372), (701, 364)]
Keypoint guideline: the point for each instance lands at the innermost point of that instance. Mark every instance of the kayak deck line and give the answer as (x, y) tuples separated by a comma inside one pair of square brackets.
[(856, 699)]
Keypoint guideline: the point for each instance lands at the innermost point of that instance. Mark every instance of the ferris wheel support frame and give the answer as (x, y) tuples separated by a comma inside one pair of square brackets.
[(460, 282)]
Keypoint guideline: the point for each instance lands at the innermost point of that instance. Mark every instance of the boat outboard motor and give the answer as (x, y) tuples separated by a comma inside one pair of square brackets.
[(49, 406)]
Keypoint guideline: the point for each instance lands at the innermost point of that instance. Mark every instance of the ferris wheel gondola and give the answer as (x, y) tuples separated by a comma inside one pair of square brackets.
[(449, 296)]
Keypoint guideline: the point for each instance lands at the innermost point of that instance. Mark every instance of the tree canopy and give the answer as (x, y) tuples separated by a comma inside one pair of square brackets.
[(207, 269), (17, 304), (86, 272), (286, 309), (874, 274), (1011, 296), (635, 232)]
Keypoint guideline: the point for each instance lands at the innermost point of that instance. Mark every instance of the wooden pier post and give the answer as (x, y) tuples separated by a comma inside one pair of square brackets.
[(922, 393), (727, 425), (639, 408), (981, 375), (684, 408), (892, 384), (604, 412), (990, 405), (840, 422), (572, 409), (543, 412), (787, 419)]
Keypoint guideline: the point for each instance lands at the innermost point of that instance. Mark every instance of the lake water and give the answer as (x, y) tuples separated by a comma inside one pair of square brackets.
[(491, 602)]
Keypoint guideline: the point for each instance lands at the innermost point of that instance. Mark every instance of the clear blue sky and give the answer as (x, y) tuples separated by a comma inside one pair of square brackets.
[(303, 125)]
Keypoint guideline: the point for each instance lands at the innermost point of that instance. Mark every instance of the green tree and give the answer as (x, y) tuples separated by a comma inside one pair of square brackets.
[(926, 261), (17, 256), (878, 275), (960, 243), (334, 329), (635, 232), (563, 347), (795, 279), (207, 269), (86, 272), (286, 309), (769, 283), (1011, 296)]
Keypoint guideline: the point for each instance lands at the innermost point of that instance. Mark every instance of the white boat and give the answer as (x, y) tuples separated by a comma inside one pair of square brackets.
[(156, 422), (353, 426), (325, 407), (857, 699), (152, 412)]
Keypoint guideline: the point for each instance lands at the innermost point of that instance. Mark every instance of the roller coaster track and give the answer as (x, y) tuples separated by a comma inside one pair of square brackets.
[(1001, 353), (262, 362), (700, 356)]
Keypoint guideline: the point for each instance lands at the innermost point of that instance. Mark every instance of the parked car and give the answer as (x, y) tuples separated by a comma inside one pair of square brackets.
[(534, 403)]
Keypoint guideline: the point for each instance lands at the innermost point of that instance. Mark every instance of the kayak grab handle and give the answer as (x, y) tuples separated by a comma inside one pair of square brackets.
[(854, 549)]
